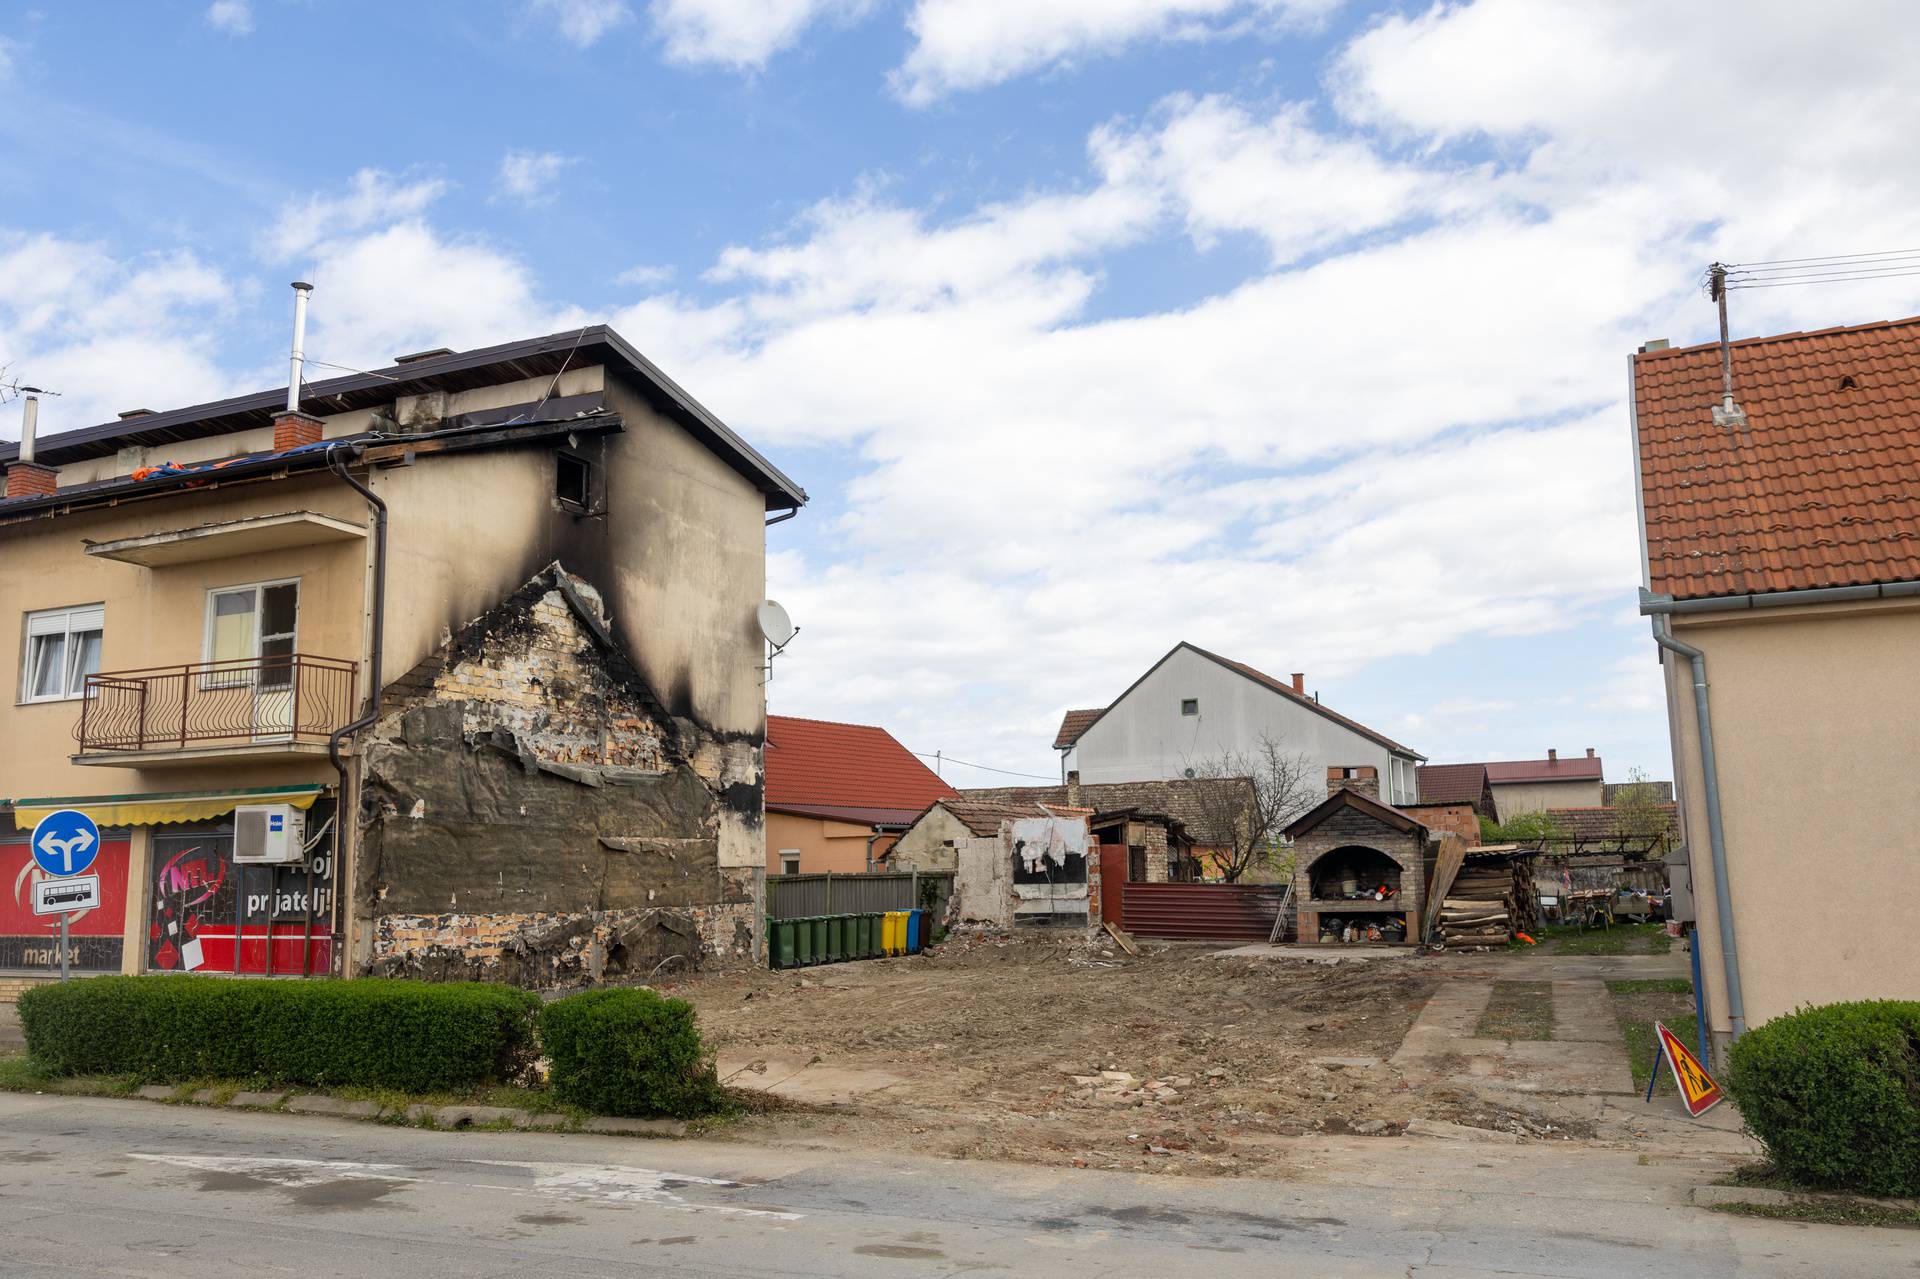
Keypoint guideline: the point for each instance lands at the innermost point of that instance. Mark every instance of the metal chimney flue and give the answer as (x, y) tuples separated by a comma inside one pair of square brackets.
[(297, 362), (29, 420)]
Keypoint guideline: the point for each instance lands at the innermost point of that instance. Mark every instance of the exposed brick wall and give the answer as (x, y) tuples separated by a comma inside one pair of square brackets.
[(10, 987), (531, 814)]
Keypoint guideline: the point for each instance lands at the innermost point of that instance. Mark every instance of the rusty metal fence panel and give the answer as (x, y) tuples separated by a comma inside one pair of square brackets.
[(801, 896), (1202, 912)]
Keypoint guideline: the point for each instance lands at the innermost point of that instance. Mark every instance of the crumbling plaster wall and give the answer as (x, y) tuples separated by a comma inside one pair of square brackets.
[(530, 812)]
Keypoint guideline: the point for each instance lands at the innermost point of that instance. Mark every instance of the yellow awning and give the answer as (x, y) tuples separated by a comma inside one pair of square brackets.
[(155, 810)]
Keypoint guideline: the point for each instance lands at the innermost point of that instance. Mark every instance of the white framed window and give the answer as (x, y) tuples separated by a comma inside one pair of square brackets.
[(62, 649), (789, 861), (258, 622)]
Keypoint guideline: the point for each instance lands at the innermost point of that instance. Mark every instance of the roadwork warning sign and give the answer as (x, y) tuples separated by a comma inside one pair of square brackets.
[(1697, 1088)]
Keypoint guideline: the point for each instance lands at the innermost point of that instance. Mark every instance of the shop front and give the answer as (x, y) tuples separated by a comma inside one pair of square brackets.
[(175, 897)]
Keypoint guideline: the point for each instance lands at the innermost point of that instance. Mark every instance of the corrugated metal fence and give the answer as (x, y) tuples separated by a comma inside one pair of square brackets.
[(801, 896), (1204, 912)]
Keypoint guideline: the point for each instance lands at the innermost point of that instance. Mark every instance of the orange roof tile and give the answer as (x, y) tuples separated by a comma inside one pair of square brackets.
[(1074, 723), (817, 762), (1820, 488)]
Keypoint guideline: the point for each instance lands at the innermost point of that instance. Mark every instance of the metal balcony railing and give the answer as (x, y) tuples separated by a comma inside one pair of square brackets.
[(291, 698)]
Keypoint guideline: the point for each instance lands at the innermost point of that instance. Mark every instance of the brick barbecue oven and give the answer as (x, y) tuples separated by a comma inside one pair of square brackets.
[(1359, 872)]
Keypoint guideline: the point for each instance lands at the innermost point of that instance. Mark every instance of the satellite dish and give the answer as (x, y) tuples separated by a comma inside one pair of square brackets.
[(774, 623)]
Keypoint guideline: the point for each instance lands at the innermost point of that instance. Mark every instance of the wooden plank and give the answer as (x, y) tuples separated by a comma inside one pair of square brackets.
[(1453, 855), (1124, 941)]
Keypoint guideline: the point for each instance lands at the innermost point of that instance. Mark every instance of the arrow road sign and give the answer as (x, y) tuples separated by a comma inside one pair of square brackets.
[(66, 842), (72, 893)]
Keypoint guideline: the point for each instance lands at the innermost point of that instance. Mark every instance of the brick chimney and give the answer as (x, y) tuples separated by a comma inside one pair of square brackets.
[(292, 429), (1300, 683), (1363, 779), (1553, 756), (1589, 752), (30, 479)]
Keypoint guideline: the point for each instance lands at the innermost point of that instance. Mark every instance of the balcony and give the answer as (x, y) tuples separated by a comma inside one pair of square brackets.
[(274, 708)]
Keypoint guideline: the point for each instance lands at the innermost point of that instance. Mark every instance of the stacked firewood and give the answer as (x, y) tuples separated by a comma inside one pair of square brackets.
[(1489, 901)]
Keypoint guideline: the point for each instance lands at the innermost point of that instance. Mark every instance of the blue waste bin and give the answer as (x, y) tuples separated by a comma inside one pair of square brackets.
[(915, 920)]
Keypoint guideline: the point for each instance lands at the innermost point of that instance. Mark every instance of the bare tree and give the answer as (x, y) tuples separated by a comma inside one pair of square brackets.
[(1243, 822)]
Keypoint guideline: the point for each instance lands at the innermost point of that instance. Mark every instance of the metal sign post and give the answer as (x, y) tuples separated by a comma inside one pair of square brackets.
[(64, 844)]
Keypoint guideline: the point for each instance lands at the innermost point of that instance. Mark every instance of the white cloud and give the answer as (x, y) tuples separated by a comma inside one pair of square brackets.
[(372, 197), (386, 281), (582, 22), (969, 44), (647, 277), (235, 17), (7, 56), (742, 33), (528, 176), (108, 333)]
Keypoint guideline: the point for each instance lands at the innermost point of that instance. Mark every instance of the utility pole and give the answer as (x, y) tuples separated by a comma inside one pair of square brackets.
[(1728, 413)]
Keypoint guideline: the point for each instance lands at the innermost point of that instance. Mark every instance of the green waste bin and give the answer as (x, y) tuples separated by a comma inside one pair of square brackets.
[(780, 944), (819, 939), (836, 938), (876, 936), (856, 936), (802, 942)]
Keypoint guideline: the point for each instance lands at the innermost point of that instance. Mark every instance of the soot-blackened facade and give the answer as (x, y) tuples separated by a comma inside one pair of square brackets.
[(531, 813)]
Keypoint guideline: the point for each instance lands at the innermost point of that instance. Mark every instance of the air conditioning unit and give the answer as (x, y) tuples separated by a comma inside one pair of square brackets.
[(269, 835)]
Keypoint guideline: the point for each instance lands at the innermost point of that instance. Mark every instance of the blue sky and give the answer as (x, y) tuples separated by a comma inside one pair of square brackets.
[(1294, 328)]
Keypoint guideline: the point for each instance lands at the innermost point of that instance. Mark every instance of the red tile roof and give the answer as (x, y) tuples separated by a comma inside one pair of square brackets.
[(1451, 783), (1074, 723), (1600, 823), (983, 815), (817, 763), (1820, 488), (1581, 768)]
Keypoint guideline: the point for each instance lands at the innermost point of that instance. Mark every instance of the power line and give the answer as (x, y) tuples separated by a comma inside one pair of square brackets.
[(985, 768), (1837, 257), (1776, 283)]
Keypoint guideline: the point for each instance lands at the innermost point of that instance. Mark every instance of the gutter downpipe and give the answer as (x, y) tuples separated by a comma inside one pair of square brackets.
[(1716, 833), (374, 652)]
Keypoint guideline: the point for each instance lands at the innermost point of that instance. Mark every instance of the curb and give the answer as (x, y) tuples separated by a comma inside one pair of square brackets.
[(1765, 1197), (418, 1115)]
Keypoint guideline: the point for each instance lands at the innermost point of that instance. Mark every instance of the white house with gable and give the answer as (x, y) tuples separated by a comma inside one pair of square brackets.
[(1193, 706)]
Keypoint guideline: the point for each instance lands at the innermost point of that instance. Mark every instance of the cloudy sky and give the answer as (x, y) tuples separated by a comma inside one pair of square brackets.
[(1294, 328)]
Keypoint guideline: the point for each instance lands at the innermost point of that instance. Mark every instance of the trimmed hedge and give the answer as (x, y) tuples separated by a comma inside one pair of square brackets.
[(1834, 1094), (628, 1052), (367, 1032)]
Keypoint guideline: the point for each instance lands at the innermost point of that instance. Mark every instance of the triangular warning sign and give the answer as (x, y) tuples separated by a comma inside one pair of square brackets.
[(1697, 1088)]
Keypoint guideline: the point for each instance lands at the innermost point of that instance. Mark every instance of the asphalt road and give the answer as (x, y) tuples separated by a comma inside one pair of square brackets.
[(100, 1187)]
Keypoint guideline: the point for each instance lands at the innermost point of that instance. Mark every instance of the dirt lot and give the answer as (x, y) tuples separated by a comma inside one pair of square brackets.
[(1000, 1046)]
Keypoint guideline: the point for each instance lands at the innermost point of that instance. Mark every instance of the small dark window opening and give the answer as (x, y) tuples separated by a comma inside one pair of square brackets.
[(571, 480), (1189, 706)]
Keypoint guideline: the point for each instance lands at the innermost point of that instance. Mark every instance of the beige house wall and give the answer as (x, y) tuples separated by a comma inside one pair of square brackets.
[(1511, 798), (1816, 716), (158, 617), (839, 847), (929, 843)]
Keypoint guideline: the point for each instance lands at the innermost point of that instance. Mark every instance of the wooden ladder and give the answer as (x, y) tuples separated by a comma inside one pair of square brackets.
[(1280, 920)]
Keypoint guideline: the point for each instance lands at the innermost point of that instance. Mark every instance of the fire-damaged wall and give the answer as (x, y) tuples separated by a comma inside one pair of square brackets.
[(530, 813)]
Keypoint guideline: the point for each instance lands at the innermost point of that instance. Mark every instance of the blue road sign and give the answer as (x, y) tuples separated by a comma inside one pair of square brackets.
[(66, 842)]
